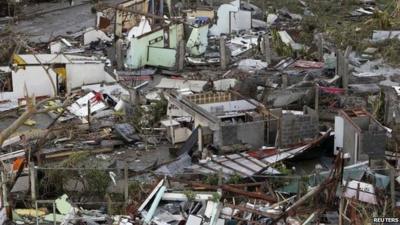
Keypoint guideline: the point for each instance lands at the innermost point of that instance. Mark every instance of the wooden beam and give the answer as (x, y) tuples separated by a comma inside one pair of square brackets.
[(250, 210)]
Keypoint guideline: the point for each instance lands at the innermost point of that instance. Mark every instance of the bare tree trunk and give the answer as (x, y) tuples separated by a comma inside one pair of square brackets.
[(30, 110), (17, 123)]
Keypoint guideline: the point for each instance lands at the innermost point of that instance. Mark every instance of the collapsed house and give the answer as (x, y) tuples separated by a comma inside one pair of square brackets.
[(239, 133), (157, 47), (231, 18), (359, 135), (49, 75), (229, 117)]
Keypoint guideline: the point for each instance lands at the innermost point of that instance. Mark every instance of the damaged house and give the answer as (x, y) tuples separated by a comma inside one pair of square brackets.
[(231, 18), (156, 47), (234, 119), (360, 135), (48, 75), (231, 118)]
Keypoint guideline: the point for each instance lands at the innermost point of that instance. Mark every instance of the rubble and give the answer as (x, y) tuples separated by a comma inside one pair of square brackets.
[(161, 112)]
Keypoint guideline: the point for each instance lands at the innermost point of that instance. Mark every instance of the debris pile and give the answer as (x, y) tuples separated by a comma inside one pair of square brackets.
[(218, 113)]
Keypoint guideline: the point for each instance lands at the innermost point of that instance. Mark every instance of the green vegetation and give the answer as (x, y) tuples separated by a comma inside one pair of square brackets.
[(333, 19), (90, 181), (150, 115), (190, 195), (216, 197), (282, 168), (211, 179), (234, 179), (281, 48)]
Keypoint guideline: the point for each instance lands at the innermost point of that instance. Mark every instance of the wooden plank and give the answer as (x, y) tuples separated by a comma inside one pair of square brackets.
[(12, 155), (155, 190), (69, 152)]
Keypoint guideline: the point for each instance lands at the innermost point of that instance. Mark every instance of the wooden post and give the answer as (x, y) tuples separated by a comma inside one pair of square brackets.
[(126, 186), (342, 68), (220, 177), (268, 128), (161, 12), (200, 139), (284, 80), (347, 52), (171, 129), (6, 205), (222, 52), (118, 54), (346, 68), (358, 192), (341, 203), (316, 104), (345, 78), (392, 190), (267, 49), (152, 9), (298, 187), (33, 178), (88, 111), (279, 133), (54, 213), (320, 46), (181, 55), (341, 208)]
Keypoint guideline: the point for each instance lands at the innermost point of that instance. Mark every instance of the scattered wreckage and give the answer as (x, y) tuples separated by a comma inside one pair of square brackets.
[(168, 114)]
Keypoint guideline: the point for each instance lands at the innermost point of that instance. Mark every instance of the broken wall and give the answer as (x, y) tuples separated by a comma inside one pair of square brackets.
[(369, 142), (373, 143), (161, 57), (250, 133), (392, 109), (198, 40), (34, 78), (231, 18), (351, 138), (295, 128), (161, 43), (228, 106), (80, 74), (126, 20)]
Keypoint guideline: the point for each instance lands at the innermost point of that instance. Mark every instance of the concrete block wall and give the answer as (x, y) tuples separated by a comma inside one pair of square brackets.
[(369, 143), (373, 143), (296, 128), (247, 133)]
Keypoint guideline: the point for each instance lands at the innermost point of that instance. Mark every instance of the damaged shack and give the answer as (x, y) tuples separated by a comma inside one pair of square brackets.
[(153, 112)]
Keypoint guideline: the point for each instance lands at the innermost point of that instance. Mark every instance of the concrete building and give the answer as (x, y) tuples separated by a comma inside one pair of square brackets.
[(231, 118), (155, 48), (175, 132), (125, 20), (360, 135), (298, 127)]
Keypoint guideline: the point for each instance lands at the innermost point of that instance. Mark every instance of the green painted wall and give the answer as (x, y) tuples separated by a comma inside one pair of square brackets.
[(162, 57), (138, 53)]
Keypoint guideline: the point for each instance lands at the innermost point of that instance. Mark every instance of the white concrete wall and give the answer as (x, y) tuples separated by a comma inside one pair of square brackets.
[(238, 105), (36, 81), (241, 20), (231, 17), (198, 40), (82, 74), (339, 134)]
